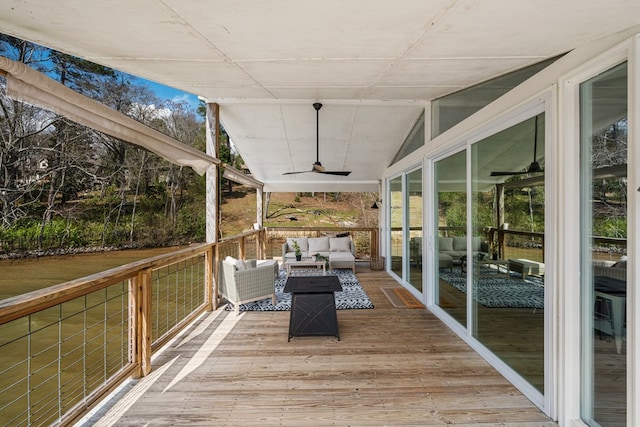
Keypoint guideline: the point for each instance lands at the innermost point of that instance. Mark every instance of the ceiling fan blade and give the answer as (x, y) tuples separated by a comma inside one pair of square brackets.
[(340, 173), (533, 168), (294, 173)]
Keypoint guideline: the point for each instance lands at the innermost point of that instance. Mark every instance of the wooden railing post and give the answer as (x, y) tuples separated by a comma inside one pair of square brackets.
[(501, 248), (141, 322), (374, 243), (262, 244), (242, 248), (209, 261)]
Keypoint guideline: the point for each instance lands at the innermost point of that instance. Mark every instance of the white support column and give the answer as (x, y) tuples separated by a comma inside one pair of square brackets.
[(212, 196), (212, 135), (259, 207), (261, 244)]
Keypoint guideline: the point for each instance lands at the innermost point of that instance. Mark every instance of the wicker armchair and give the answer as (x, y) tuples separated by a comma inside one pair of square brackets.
[(239, 286)]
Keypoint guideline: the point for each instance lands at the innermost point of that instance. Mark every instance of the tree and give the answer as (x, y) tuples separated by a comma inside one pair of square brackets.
[(46, 161)]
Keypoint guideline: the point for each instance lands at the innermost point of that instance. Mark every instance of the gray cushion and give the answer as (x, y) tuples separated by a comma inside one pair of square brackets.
[(445, 244), (460, 243)]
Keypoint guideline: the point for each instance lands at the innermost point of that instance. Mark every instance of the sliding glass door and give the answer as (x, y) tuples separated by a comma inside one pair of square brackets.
[(414, 218), (405, 213), (604, 131), (507, 262), (451, 222), (396, 214)]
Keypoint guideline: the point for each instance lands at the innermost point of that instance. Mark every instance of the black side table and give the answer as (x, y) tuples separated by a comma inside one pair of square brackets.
[(313, 305)]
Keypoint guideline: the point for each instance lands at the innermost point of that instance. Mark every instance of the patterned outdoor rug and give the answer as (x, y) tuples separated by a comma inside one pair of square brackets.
[(351, 297), (501, 292)]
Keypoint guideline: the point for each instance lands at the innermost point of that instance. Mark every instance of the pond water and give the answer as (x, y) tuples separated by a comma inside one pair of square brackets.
[(20, 276)]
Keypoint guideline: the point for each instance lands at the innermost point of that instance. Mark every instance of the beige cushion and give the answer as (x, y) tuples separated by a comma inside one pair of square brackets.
[(239, 264), (340, 244), (445, 244), (318, 244), (341, 256), (302, 242)]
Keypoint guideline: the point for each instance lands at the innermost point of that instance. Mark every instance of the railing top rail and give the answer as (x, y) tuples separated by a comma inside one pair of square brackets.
[(239, 236), (301, 228), (613, 240), (41, 299), (523, 233)]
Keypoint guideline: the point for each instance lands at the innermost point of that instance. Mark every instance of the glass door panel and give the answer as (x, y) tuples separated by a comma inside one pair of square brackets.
[(414, 209), (603, 118), (507, 182), (396, 221), (451, 217)]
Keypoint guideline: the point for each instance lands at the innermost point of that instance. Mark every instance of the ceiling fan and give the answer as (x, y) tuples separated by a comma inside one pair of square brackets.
[(534, 166), (317, 166)]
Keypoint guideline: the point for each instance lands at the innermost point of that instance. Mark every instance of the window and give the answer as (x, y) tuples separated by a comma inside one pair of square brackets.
[(454, 108), (603, 140)]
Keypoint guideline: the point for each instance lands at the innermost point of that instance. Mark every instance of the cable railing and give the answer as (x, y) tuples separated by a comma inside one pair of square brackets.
[(65, 347)]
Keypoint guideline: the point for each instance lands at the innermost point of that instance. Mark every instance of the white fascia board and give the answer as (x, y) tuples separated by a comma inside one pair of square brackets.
[(320, 187)]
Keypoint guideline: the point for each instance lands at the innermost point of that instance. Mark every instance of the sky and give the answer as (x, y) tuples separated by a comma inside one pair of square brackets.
[(166, 92)]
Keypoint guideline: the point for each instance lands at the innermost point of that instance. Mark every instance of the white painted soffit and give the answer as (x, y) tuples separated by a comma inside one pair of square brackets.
[(333, 51), (30, 86)]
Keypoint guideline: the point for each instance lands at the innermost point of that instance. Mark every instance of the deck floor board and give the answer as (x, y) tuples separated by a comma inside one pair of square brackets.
[(392, 366)]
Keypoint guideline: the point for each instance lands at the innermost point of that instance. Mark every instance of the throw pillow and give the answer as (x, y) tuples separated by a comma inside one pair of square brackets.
[(303, 242), (445, 244), (340, 244), (318, 244), (460, 243)]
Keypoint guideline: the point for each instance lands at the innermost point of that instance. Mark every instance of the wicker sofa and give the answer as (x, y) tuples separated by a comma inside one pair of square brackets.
[(341, 251)]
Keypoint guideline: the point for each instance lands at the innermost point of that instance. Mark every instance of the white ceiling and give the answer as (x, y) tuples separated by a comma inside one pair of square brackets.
[(373, 64)]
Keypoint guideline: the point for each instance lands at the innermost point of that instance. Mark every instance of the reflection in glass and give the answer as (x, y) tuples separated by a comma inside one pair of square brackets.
[(603, 117), (414, 140), (451, 214), (508, 294), (453, 108), (395, 215), (414, 208)]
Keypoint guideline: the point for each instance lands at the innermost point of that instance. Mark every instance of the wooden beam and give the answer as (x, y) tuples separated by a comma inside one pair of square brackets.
[(145, 321)]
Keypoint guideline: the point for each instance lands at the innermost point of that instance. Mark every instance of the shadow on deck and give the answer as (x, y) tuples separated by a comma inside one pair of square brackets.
[(393, 366)]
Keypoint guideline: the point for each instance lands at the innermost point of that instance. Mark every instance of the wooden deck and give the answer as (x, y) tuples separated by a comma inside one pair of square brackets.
[(393, 366)]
